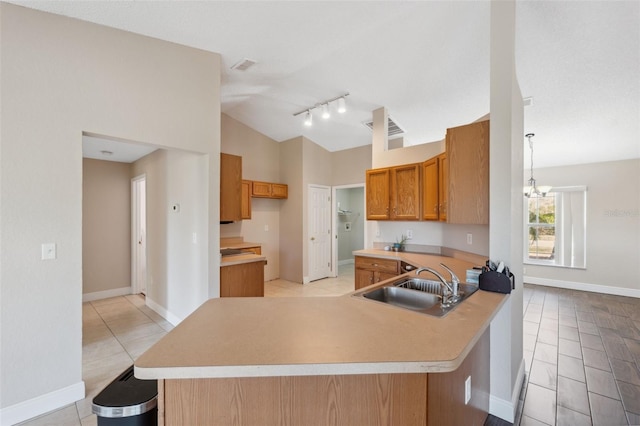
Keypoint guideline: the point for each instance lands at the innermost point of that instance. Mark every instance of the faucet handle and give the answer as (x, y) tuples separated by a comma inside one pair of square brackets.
[(454, 278)]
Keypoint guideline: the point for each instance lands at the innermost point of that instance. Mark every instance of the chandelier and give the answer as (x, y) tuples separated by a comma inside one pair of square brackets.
[(532, 190)]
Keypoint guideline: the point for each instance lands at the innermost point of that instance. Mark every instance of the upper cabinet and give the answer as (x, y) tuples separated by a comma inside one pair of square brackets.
[(269, 190), (435, 188), (230, 188), (467, 149), (394, 193), (246, 199)]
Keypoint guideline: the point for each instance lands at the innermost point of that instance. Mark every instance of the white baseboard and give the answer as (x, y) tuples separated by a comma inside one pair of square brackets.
[(98, 295), (504, 409), (345, 262), (41, 404), (160, 310), (572, 285)]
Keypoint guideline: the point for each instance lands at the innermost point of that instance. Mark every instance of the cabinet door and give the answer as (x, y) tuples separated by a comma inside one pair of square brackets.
[(230, 187), (364, 278), (377, 188), (244, 280), (279, 190), (246, 199), (381, 276), (260, 189), (468, 157), (443, 187), (405, 192), (430, 189)]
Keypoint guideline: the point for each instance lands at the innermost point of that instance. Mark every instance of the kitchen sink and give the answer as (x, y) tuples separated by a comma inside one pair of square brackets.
[(404, 298), (416, 294)]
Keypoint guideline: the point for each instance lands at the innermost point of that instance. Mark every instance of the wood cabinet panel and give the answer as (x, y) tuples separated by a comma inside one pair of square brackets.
[(468, 174), (384, 399), (430, 189), (269, 190), (243, 280), (446, 404), (371, 270), (230, 187), (405, 192), (443, 187), (377, 194), (246, 200)]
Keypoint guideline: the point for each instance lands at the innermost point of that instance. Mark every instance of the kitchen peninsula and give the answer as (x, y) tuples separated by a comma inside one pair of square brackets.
[(324, 360)]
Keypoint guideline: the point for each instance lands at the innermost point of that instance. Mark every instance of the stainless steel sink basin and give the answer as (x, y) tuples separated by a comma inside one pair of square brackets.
[(404, 298), (416, 294)]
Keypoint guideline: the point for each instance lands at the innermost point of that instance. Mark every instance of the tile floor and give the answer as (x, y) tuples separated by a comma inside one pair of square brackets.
[(582, 352), (582, 355)]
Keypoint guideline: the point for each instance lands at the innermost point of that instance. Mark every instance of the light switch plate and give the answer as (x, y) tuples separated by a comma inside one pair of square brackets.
[(48, 251)]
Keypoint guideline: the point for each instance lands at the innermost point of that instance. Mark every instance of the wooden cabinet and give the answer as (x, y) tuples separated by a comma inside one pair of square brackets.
[(394, 193), (242, 280), (246, 200), (230, 187), (377, 188), (443, 186), (467, 149), (371, 270), (269, 190)]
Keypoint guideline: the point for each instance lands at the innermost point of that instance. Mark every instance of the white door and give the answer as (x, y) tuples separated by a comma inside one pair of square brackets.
[(139, 235), (319, 226)]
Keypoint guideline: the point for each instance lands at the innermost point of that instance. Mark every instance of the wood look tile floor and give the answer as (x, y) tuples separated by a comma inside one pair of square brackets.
[(582, 352)]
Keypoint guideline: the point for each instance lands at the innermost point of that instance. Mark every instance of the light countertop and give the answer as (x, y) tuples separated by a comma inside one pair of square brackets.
[(250, 337), (238, 259)]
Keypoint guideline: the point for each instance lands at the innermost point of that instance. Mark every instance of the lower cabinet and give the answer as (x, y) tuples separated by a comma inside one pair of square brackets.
[(243, 280), (371, 270), (410, 399)]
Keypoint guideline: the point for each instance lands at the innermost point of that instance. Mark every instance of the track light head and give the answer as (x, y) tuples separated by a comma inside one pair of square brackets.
[(325, 111), (308, 118), (342, 106)]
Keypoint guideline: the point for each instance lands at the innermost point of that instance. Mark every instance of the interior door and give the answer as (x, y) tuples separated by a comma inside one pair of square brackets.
[(139, 235), (319, 226)]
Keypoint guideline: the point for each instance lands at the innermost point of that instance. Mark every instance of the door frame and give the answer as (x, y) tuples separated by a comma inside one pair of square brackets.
[(334, 222), (135, 212), (329, 219)]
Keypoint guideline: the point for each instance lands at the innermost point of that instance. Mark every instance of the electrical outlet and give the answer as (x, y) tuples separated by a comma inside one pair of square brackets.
[(266, 228), (377, 232), (409, 234), (467, 390), (469, 238), (48, 251)]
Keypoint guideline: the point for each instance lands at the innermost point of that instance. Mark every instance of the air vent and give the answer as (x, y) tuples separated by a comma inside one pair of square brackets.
[(394, 128), (243, 65)]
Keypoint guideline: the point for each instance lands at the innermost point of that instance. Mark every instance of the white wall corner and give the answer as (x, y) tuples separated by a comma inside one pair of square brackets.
[(163, 312), (42, 404)]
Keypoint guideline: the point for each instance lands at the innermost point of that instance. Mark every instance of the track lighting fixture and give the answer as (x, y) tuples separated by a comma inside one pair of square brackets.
[(324, 106)]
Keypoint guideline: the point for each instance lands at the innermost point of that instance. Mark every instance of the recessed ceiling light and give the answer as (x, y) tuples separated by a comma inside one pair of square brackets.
[(243, 65)]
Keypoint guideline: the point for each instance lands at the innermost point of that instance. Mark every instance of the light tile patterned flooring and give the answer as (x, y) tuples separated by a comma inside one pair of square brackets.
[(582, 351), (582, 354)]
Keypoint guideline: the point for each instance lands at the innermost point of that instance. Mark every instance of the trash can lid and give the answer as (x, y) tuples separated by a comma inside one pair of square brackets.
[(126, 396)]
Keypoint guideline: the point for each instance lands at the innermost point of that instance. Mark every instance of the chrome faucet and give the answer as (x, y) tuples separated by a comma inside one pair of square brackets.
[(448, 294), (455, 281)]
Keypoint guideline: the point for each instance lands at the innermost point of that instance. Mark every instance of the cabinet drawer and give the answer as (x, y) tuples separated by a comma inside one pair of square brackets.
[(374, 263)]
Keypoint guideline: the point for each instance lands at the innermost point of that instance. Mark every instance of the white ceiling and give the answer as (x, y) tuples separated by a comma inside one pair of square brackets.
[(427, 62)]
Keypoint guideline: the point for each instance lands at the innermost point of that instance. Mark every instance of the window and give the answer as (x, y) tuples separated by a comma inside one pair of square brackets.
[(556, 228)]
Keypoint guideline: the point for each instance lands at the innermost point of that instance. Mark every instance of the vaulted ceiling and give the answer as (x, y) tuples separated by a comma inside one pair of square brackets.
[(427, 62)]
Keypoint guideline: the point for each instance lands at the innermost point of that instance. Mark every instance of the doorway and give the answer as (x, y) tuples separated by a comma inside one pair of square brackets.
[(348, 224), (319, 225), (139, 235)]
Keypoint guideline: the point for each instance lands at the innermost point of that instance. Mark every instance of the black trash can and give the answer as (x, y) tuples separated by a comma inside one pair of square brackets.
[(127, 401)]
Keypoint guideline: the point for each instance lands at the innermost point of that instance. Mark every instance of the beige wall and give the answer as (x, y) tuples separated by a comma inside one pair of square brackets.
[(60, 77), (106, 228), (349, 166), (613, 228), (260, 161)]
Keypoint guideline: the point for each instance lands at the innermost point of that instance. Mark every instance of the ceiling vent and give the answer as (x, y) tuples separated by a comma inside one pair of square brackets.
[(394, 128), (243, 65)]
